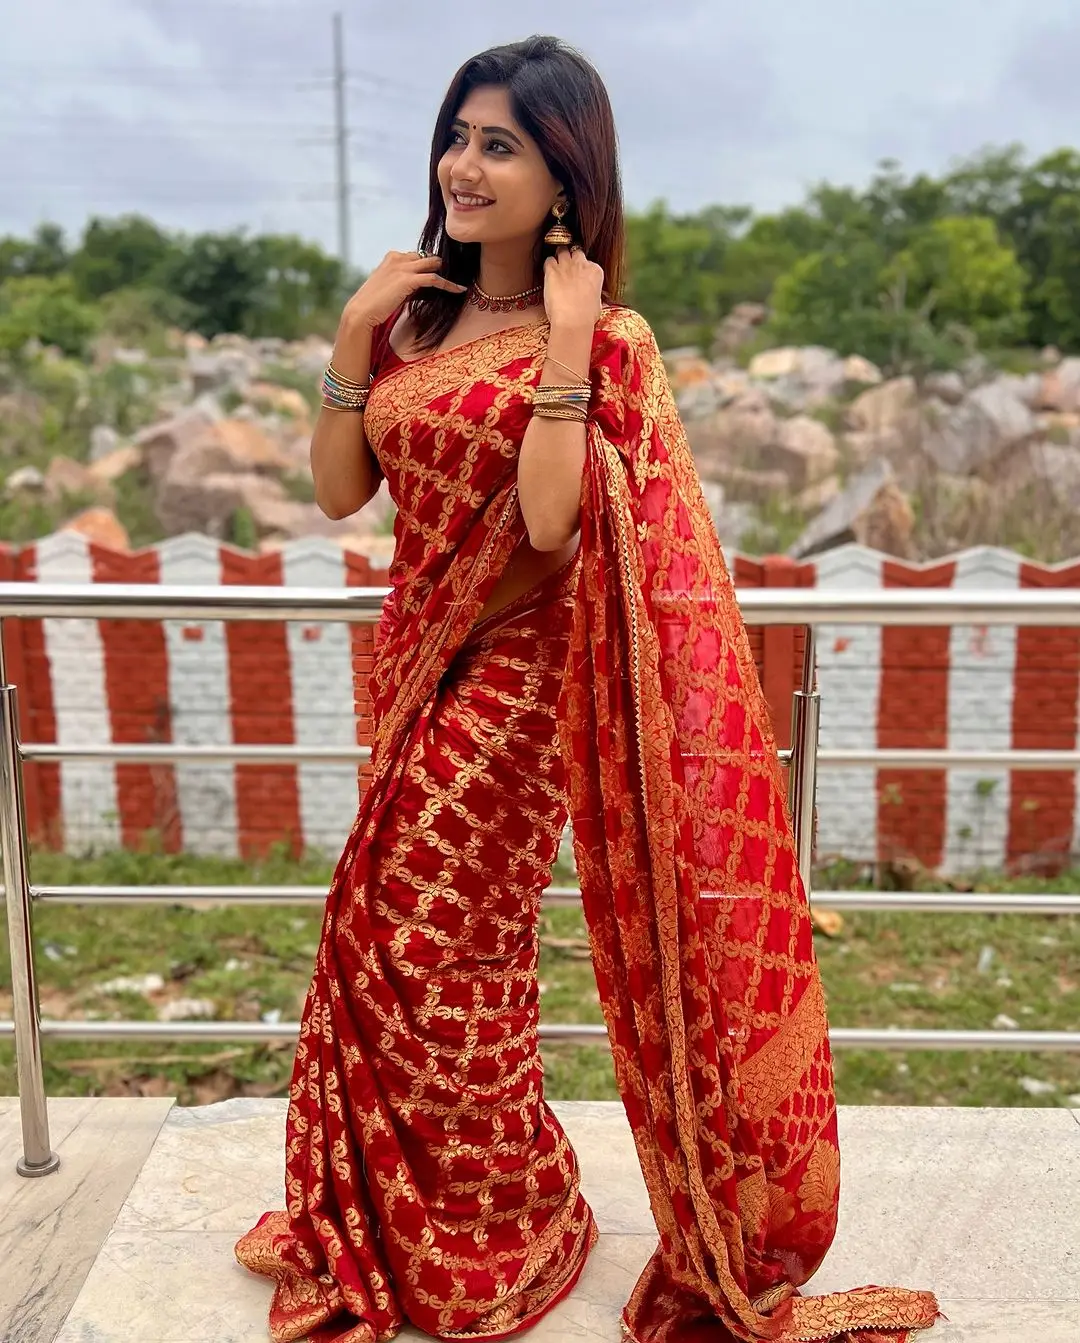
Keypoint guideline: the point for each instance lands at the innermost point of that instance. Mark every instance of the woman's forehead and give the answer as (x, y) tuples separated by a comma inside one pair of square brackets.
[(488, 104)]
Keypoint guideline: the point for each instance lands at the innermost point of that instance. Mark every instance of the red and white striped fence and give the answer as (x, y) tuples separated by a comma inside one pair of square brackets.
[(89, 681)]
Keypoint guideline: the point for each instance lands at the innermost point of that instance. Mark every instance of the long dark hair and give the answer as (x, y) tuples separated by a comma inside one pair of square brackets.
[(558, 97)]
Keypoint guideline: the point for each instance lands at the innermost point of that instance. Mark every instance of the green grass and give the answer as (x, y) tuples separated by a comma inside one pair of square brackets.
[(918, 970)]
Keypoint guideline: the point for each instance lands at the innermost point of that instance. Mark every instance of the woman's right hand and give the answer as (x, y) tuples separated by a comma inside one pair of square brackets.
[(394, 280)]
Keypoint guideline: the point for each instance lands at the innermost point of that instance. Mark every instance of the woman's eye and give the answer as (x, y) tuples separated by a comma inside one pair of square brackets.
[(498, 144)]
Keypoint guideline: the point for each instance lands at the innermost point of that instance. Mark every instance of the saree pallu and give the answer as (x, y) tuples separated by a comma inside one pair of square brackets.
[(425, 1177)]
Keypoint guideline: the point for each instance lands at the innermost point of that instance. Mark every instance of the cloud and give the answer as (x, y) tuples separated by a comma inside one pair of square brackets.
[(218, 113)]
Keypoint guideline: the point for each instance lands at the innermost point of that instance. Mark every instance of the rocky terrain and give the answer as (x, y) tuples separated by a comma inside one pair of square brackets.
[(799, 448), (225, 452)]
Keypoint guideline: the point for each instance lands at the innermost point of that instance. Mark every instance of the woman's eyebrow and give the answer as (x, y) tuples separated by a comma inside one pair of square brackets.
[(489, 130)]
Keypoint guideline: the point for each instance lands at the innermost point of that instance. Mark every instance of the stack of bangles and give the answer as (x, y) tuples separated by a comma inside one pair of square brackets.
[(341, 393), (563, 401)]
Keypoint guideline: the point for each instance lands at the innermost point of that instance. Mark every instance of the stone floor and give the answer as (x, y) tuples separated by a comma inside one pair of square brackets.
[(979, 1205)]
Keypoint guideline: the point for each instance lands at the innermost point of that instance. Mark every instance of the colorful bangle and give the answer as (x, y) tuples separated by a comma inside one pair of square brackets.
[(562, 402), (341, 393)]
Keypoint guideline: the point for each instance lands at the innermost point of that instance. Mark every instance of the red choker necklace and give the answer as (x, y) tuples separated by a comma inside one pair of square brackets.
[(528, 298)]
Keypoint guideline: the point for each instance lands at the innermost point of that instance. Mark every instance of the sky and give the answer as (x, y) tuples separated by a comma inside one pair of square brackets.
[(216, 114)]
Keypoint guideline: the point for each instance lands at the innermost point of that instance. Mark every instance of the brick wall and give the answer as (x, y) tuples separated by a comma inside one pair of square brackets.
[(211, 681)]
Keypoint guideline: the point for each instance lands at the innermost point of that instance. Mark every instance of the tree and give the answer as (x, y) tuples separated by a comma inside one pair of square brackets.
[(959, 272), (299, 285), (44, 254), (1057, 297), (766, 249), (218, 278), (834, 298), (841, 298), (675, 265), (118, 254)]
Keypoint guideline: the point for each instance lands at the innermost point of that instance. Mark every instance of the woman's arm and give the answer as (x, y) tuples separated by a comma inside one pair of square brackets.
[(552, 456), (343, 466)]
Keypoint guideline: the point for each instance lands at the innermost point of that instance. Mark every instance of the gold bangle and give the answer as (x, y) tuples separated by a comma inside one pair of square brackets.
[(567, 368), (357, 408), (554, 412), (344, 381)]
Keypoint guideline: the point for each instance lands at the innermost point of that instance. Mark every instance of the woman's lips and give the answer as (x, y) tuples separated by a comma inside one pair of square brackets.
[(466, 202)]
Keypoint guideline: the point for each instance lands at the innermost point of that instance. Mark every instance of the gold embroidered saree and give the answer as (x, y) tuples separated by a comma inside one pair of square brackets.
[(426, 1178)]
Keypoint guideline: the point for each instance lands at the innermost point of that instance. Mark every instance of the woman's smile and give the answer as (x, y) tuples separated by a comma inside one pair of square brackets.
[(467, 200)]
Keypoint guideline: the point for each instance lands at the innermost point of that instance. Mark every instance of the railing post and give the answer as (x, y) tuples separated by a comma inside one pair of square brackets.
[(802, 779), (38, 1158)]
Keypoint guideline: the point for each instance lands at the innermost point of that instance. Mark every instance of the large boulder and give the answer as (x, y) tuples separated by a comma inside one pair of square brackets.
[(860, 447), (693, 383), (190, 499), (210, 445), (989, 422), (783, 362), (246, 446), (872, 510), (1052, 470), (800, 378), (223, 367), (285, 401), (738, 430), (746, 425), (891, 408), (101, 526), (804, 449), (861, 371), (1059, 388), (161, 442), (945, 386), (310, 355), (118, 463), (746, 484), (737, 329), (67, 478)]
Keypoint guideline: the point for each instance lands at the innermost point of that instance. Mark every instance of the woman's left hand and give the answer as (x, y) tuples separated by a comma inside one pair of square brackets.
[(573, 289)]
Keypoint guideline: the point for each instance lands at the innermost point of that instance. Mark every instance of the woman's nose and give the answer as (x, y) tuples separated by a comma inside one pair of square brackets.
[(467, 166)]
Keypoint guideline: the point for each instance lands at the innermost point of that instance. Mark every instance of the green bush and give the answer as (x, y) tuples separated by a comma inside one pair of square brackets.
[(33, 307)]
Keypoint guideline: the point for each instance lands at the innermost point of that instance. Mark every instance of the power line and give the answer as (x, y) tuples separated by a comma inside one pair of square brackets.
[(157, 76)]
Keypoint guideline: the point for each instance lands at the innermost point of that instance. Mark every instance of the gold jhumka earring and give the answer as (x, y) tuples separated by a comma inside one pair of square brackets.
[(558, 235)]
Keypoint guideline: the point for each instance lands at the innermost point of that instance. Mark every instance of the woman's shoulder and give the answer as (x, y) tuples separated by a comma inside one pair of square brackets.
[(620, 323)]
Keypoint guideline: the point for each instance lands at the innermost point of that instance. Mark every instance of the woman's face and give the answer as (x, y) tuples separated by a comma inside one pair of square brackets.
[(496, 186)]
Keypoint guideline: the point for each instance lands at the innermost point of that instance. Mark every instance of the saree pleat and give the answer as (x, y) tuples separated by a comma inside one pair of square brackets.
[(426, 1179)]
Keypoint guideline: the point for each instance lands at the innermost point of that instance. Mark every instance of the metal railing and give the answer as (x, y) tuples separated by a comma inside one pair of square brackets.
[(774, 606)]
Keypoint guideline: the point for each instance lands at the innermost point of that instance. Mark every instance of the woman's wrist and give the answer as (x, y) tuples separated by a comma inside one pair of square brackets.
[(571, 347), (352, 350)]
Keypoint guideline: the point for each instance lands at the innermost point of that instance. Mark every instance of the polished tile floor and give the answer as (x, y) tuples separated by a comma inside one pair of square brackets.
[(979, 1205)]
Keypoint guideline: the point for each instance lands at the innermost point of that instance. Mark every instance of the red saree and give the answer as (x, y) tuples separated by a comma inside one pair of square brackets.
[(425, 1177)]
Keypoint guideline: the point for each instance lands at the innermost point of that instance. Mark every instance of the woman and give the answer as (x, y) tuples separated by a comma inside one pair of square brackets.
[(560, 633)]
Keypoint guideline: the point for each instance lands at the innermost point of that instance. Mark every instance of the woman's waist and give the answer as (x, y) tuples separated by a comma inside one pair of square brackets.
[(526, 573)]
